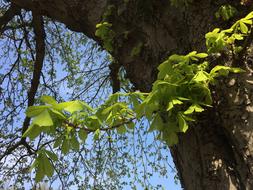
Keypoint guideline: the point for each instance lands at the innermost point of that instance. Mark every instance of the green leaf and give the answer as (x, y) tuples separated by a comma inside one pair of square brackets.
[(183, 99), (192, 54), (170, 106), (32, 132), (74, 143), (176, 101), (58, 142), (96, 134), (249, 16), (247, 21), (188, 118), (48, 167), (39, 170), (93, 122), (58, 114), (121, 130), (82, 135), (72, 106), (243, 27), (201, 76), (164, 68), (198, 108), (183, 126), (201, 55), (157, 123), (171, 138), (220, 70), (34, 165), (33, 111), (43, 119), (238, 36), (65, 146), (236, 70), (48, 100), (51, 155), (194, 108)]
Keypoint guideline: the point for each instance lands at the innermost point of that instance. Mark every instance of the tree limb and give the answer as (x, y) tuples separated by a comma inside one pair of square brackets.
[(8, 16), (40, 54)]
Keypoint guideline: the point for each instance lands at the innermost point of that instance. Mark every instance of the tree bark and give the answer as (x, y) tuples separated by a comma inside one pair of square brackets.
[(217, 152)]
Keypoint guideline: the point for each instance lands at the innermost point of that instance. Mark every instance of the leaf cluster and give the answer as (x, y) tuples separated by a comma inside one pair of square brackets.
[(221, 40), (226, 12), (104, 32), (182, 89)]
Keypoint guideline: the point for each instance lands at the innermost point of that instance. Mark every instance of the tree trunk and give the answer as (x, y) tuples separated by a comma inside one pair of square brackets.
[(217, 152)]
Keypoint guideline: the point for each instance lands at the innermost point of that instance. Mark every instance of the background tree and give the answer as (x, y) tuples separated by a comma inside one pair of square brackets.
[(216, 152)]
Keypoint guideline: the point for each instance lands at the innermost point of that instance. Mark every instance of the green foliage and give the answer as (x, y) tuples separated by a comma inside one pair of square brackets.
[(181, 91), (43, 164), (220, 40), (226, 12), (105, 33)]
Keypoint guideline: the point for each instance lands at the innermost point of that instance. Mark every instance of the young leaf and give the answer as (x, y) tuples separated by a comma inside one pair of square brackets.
[(48, 167), (82, 135), (65, 146), (74, 143), (171, 138), (170, 106), (201, 76), (32, 132), (48, 100), (58, 142), (40, 173), (43, 119), (243, 27), (176, 101), (97, 134), (157, 123), (194, 108), (183, 126), (51, 155), (74, 106), (33, 111), (58, 114), (201, 55)]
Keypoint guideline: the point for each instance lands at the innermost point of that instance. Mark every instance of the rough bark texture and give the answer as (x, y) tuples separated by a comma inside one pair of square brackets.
[(217, 153)]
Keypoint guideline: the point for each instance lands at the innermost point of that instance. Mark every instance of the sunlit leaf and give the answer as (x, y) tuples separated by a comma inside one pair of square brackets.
[(35, 110), (183, 126), (48, 100), (43, 119)]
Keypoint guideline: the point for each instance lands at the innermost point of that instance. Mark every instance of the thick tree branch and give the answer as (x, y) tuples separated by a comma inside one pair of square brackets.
[(77, 15), (40, 53), (8, 16)]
